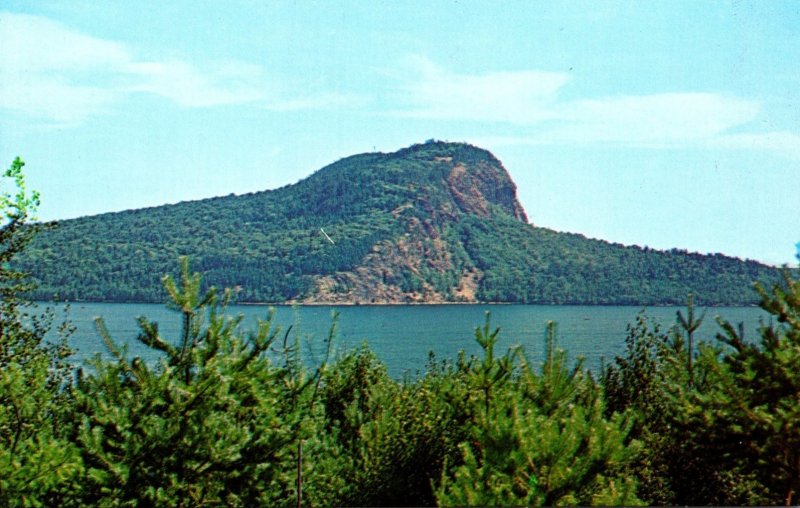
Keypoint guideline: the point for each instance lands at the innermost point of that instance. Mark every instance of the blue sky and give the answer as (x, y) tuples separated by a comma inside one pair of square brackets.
[(667, 124)]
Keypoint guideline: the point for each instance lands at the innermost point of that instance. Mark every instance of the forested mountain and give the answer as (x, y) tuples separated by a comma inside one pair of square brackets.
[(435, 222)]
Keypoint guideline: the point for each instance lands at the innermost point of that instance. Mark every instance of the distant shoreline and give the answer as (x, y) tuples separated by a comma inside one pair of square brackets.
[(403, 304)]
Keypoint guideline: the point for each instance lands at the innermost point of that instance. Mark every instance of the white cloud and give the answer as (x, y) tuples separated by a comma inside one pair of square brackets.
[(43, 67), (530, 100), (658, 119), (52, 73), (519, 97), (33, 44), (189, 86)]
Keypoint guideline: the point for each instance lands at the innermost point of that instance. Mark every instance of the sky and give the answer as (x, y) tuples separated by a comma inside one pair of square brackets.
[(667, 124)]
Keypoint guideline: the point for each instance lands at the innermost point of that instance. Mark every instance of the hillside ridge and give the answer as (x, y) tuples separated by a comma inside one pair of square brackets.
[(435, 222)]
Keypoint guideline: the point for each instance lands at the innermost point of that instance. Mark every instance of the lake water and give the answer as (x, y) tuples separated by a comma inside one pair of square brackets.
[(403, 336)]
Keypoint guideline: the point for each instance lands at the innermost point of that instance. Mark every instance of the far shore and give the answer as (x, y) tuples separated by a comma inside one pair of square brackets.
[(398, 304)]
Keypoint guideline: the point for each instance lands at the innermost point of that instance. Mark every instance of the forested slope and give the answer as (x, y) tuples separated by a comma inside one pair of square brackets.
[(435, 222)]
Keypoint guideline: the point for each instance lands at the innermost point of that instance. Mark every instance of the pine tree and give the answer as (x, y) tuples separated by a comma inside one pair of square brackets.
[(214, 422), (539, 438), (37, 462), (392, 439), (751, 411), (674, 466)]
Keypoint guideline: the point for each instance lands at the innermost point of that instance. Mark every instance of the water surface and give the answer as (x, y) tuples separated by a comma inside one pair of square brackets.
[(403, 336)]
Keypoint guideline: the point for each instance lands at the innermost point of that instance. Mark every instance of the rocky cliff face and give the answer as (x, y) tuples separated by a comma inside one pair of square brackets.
[(473, 178), (424, 262), (478, 186)]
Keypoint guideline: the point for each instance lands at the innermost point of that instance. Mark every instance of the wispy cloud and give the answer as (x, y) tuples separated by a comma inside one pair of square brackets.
[(36, 44), (189, 86), (55, 74), (430, 91), (43, 69), (658, 119), (531, 100)]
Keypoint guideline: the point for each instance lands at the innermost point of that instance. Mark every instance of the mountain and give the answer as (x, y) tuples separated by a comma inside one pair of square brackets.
[(434, 222)]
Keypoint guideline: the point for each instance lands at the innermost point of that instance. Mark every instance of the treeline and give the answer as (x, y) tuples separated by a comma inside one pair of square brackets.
[(538, 265)]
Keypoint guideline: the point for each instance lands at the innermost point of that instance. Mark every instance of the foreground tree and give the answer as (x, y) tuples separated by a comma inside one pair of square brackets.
[(721, 429), (751, 412), (38, 464), (675, 465), (393, 440), (213, 422), (539, 438)]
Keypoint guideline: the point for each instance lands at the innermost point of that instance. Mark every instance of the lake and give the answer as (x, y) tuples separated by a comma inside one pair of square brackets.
[(403, 336)]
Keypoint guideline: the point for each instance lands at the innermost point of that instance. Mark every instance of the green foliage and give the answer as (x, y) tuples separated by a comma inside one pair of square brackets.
[(719, 424), (750, 410), (212, 423), (17, 209), (539, 438), (394, 438), (672, 468), (538, 265), (37, 462), (38, 465), (234, 418)]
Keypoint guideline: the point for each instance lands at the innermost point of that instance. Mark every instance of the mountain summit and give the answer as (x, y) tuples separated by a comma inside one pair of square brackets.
[(456, 178), (435, 222)]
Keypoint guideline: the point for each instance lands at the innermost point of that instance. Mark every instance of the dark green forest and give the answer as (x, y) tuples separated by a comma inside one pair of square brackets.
[(231, 416), (444, 209)]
